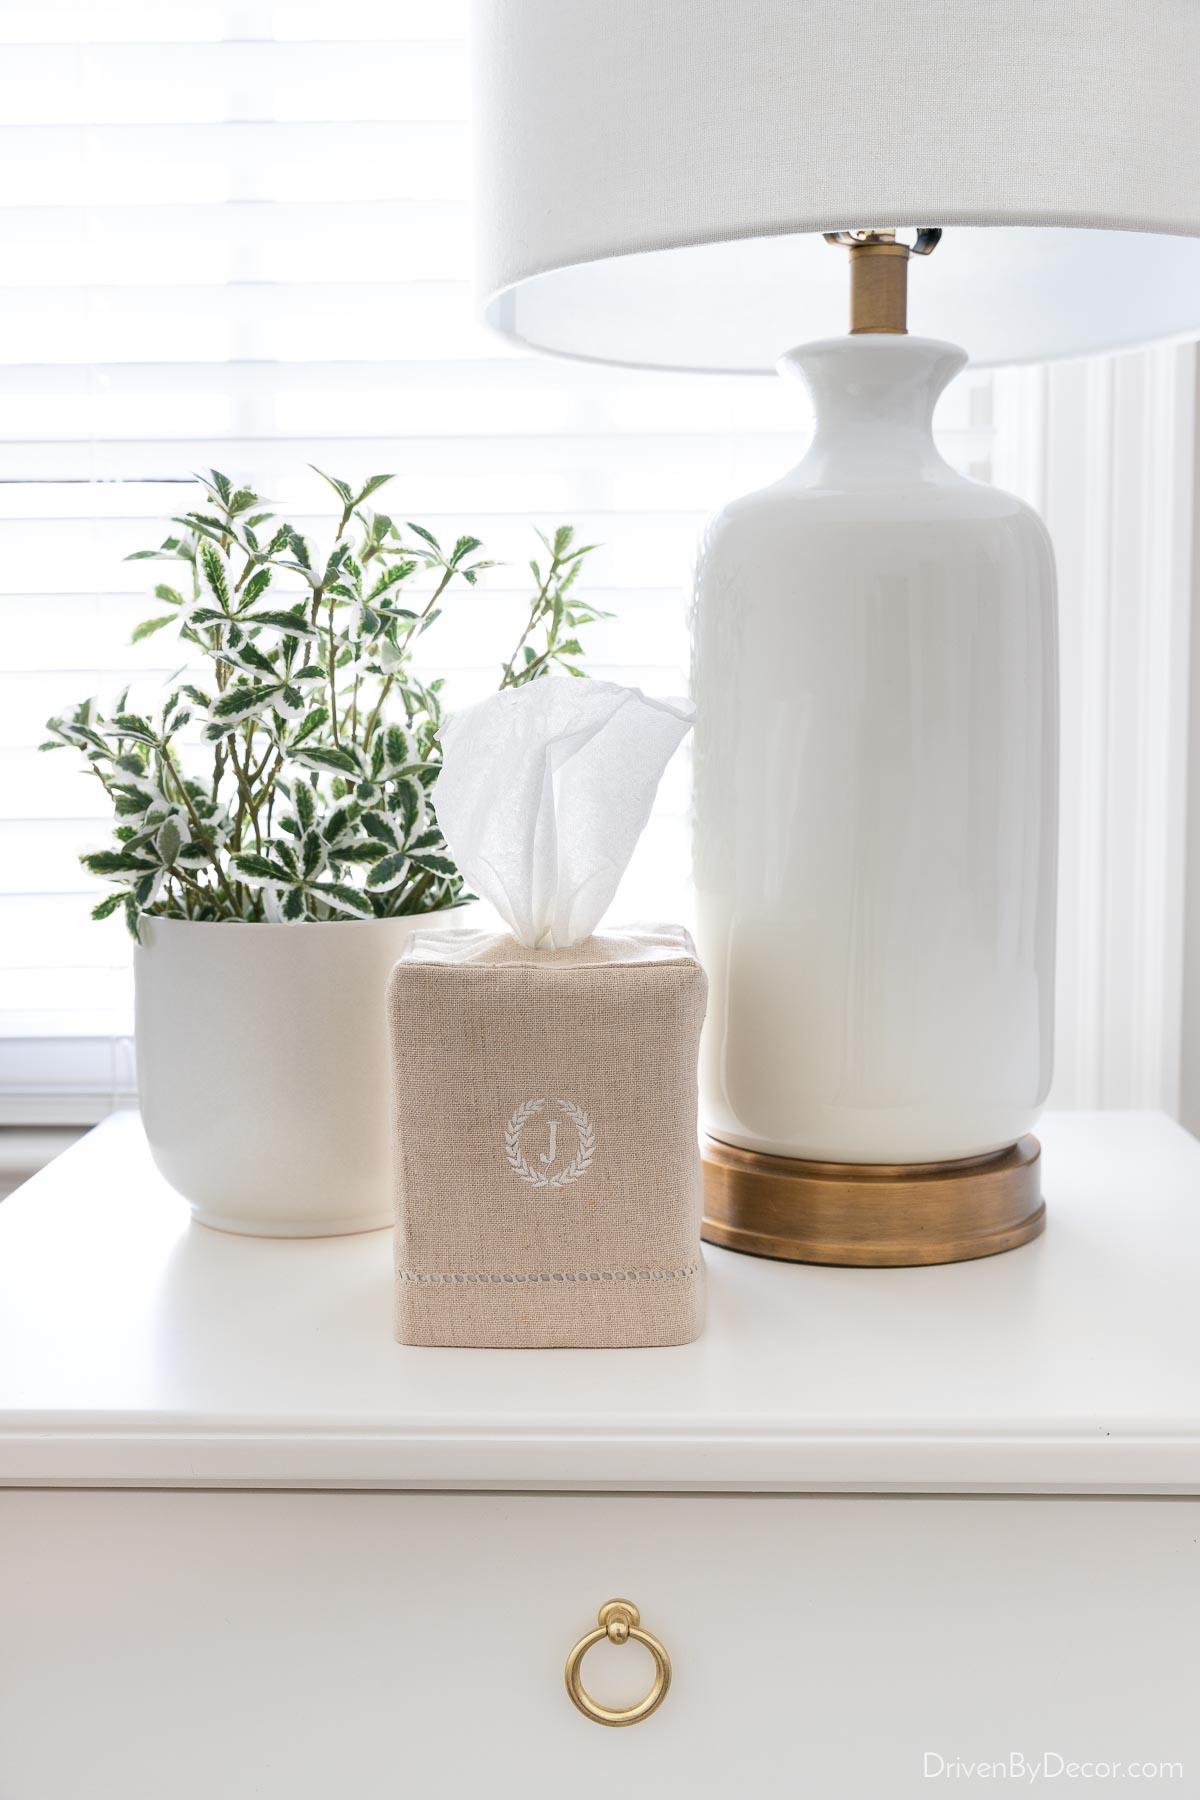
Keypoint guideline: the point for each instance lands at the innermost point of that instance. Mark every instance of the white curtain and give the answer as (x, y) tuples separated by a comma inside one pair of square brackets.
[(1106, 450)]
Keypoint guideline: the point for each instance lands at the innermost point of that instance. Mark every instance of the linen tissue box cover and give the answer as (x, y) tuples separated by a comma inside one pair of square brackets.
[(547, 1159)]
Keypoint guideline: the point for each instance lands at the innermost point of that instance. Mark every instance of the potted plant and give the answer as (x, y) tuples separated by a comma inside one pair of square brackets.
[(275, 842)]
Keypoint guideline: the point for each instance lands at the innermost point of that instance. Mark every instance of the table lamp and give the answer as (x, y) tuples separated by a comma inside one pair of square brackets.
[(700, 185)]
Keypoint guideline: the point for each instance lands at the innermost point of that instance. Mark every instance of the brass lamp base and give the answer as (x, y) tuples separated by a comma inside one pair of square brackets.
[(871, 1215)]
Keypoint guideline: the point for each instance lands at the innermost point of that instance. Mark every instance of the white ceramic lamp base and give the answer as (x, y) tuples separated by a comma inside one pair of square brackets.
[(875, 675)]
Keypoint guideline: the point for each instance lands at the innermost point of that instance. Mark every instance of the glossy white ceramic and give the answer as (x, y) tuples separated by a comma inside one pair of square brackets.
[(263, 1062), (875, 675)]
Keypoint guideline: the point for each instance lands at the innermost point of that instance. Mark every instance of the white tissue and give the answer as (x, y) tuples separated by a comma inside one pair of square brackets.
[(544, 792)]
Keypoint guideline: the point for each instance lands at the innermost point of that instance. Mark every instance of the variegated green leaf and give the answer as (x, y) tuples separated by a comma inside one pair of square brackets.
[(379, 827), (371, 486), (334, 566), (169, 841), (392, 576), (148, 627), (254, 868), (243, 702), (312, 855), (345, 899), (428, 840), (146, 888), (111, 863), (389, 873), (300, 550), (290, 702), (249, 657), (337, 825), (257, 585), (326, 756), (213, 568), (286, 854), (365, 851), (341, 488), (398, 750), (127, 724), (293, 622), (313, 722), (409, 801), (427, 536), (436, 863)]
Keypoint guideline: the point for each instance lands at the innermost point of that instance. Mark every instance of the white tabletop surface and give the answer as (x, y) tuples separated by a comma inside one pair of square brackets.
[(138, 1348)]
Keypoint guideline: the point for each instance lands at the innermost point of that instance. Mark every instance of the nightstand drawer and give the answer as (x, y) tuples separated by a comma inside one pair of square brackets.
[(292, 1644)]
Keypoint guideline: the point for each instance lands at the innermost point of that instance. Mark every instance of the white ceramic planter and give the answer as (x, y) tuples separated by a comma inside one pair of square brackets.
[(875, 763), (262, 1057)]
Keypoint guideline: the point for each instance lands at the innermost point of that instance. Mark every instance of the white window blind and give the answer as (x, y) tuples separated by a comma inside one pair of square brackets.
[(239, 235)]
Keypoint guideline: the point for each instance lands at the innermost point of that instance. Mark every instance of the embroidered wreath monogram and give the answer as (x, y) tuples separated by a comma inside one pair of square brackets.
[(537, 1171)]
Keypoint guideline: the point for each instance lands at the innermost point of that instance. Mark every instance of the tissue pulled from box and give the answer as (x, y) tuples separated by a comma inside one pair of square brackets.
[(544, 792)]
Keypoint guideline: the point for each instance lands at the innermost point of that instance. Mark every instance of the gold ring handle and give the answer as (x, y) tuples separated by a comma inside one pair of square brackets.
[(620, 1620)]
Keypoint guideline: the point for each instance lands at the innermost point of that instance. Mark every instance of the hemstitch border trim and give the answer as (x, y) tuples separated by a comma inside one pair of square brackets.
[(424, 1280)]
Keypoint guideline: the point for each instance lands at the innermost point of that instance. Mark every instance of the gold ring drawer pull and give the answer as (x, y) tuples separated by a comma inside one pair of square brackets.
[(620, 1620)]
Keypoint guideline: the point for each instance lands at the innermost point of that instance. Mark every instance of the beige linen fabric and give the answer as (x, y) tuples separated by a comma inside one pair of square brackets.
[(548, 1186)]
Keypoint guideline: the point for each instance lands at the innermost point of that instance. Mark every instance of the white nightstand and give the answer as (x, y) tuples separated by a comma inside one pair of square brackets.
[(249, 1546)]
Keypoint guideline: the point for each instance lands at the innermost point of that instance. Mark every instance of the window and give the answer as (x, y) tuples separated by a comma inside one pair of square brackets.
[(239, 235)]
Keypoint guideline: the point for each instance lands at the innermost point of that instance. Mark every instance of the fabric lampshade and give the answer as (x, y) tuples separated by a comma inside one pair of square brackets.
[(655, 175)]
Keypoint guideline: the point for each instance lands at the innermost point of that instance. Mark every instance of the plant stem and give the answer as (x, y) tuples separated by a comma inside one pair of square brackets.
[(245, 797), (333, 718), (416, 890), (266, 794), (318, 596), (202, 834), (389, 681), (537, 610)]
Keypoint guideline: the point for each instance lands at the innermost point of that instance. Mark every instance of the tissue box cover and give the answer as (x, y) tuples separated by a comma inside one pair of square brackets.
[(547, 1162)]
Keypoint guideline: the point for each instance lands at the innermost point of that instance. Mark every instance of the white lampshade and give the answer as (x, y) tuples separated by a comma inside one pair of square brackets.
[(655, 175)]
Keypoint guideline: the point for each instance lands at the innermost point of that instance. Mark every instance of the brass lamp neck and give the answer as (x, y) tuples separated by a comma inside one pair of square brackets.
[(879, 277)]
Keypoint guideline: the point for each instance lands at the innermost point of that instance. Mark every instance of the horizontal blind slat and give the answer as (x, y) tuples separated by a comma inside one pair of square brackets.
[(26, 701), (478, 628), (177, 164), (155, 246), (69, 22), (41, 857), (132, 84), (515, 396), (433, 472), (235, 320), (643, 550)]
